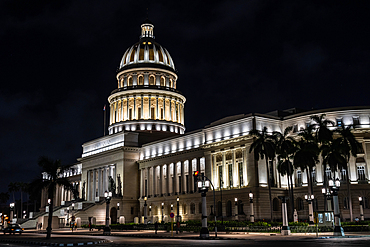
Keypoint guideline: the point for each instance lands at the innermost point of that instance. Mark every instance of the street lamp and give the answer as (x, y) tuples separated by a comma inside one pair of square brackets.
[(145, 213), (118, 213), (108, 197), (11, 211), (327, 193), (178, 215), (309, 199), (162, 212), (67, 216), (334, 186), (361, 208), (251, 204), (236, 208), (203, 186)]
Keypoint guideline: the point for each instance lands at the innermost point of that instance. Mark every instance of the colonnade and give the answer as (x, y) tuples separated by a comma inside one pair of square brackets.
[(136, 107), (229, 168), (146, 79), (170, 179), (98, 181)]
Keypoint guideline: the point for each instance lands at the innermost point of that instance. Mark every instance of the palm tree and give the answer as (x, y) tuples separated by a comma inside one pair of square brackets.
[(54, 171), (323, 134), (264, 148), (350, 147), (13, 187), (307, 154), (285, 150), (22, 188)]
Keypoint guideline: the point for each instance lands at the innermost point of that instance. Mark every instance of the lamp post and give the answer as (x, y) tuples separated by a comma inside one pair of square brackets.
[(145, 211), (108, 197), (162, 212), (11, 211), (251, 204), (334, 186), (118, 213), (178, 215), (361, 208), (67, 216), (309, 199), (150, 210), (327, 193), (24, 214), (236, 208), (203, 186), (285, 230)]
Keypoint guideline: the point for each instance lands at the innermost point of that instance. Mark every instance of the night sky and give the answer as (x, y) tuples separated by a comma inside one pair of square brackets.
[(59, 61)]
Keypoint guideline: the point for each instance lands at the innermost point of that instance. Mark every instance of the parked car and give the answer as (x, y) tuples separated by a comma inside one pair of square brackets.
[(13, 228)]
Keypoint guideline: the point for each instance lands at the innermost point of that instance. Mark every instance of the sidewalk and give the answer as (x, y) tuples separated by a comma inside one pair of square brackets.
[(55, 240), (220, 235)]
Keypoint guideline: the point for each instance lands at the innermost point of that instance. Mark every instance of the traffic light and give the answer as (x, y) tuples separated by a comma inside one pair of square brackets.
[(196, 178)]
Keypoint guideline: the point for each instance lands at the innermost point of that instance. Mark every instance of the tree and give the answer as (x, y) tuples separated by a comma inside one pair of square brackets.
[(307, 154), (285, 150), (54, 171), (323, 134), (23, 187), (264, 148), (350, 146), (13, 187)]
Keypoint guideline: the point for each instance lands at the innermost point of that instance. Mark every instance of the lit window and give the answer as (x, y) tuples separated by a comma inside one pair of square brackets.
[(339, 122)]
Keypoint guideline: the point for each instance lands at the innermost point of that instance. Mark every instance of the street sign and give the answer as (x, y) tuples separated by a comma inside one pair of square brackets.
[(172, 215)]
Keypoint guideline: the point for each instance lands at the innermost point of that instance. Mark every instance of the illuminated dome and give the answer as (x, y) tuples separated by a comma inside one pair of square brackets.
[(146, 98), (146, 51)]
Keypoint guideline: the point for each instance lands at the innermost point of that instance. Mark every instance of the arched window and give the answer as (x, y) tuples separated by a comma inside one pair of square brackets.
[(228, 209), (275, 204), (152, 80), (219, 208), (171, 83), (141, 79), (192, 208), (129, 81), (299, 205), (163, 81)]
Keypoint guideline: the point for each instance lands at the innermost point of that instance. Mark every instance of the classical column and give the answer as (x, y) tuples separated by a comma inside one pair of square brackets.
[(122, 118), (94, 184), (125, 81), (170, 118), (142, 107), (157, 107), (164, 108), (141, 183), (128, 109), (183, 179), (150, 107)]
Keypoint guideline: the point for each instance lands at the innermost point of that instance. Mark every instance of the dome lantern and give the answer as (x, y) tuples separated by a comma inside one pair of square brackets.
[(147, 29)]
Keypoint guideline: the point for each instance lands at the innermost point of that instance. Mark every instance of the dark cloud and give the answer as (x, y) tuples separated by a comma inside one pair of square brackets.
[(58, 61)]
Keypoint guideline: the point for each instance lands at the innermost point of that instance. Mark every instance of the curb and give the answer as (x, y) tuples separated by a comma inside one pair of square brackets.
[(52, 244)]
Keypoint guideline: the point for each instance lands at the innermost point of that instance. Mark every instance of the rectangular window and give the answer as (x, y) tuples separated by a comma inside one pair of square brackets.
[(343, 175), (152, 113), (313, 175), (146, 188), (295, 128), (241, 173), (220, 176), (328, 173), (180, 188), (139, 113), (187, 183), (308, 125), (132, 210), (356, 121), (161, 117), (130, 114), (299, 178), (231, 175), (361, 173)]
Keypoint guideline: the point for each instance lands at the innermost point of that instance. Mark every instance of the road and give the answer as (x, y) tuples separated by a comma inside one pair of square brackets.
[(273, 241)]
